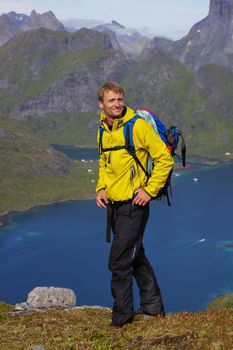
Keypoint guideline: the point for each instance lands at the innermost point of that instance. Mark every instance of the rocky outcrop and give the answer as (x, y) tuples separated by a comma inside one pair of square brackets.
[(130, 40), (76, 92), (13, 23), (45, 20), (7, 31), (78, 63), (209, 41), (71, 94), (114, 41), (73, 24)]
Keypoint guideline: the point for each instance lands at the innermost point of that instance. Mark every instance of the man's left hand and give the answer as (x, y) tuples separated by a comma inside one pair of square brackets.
[(141, 198)]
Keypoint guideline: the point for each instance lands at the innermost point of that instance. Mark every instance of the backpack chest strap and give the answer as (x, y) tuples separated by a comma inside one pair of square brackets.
[(129, 142), (128, 137)]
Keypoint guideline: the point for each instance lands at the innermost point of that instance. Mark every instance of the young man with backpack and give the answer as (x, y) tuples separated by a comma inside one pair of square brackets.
[(125, 190)]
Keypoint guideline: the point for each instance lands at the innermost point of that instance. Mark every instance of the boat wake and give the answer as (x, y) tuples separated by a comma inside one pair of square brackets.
[(197, 242)]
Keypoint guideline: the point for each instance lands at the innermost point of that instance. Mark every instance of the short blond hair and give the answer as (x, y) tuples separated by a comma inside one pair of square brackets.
[(109, 86)]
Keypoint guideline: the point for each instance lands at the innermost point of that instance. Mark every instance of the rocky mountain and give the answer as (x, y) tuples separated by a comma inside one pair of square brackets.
[(73, 24), (130, 40), (200, 105), (13, 23), (7, 30), (209, 41), (53, 94), (18, 20), (60, 72)]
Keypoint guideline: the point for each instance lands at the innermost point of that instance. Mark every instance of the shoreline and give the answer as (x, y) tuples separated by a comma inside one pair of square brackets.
[(197, 164), (74, 146), (4, 216), (201, 163), (4, 220)]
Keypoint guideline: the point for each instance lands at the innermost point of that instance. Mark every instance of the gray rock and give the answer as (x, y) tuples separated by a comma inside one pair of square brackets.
[(22, 306), (93, 307), (49, 297), (37, 347)]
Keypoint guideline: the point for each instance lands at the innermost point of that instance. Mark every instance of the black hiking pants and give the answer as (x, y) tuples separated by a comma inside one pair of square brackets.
[(127, 260)]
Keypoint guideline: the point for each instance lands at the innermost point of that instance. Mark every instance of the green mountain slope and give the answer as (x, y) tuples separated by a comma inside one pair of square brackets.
[(33, 173), (44, 72), (200, 105), (65, 128)]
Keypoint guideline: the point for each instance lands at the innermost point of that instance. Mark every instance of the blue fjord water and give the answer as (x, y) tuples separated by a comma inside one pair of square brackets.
[(64, 245)]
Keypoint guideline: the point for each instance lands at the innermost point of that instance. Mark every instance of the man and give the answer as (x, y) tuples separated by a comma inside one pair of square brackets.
[(123, 189)]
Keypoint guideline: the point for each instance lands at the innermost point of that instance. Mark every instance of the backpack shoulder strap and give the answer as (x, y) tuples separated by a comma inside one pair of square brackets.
[(101, 131), (129, 142), (128, 134), (101, 148)]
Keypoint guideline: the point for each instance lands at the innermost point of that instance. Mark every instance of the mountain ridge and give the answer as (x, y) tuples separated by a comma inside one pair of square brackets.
[(210, 41), (13, 23), (130, 40)]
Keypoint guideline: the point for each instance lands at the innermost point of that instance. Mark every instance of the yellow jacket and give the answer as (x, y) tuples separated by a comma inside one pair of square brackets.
[(119, 174)]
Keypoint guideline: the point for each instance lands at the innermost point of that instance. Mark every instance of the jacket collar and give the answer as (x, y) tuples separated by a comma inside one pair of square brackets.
[(118, 122)]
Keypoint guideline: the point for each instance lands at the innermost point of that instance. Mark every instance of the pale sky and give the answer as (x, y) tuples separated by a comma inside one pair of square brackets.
[(169, 18)]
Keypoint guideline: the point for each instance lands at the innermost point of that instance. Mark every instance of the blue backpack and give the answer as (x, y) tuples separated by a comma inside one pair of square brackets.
[(169, 136)]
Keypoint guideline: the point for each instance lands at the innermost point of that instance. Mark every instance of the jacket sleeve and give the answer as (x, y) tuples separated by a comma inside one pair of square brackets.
[(101, 182), (162, 158)]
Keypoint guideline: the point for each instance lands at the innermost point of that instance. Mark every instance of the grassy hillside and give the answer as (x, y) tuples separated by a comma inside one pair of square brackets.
[(44, 57), (200, 105), (90, 329), (222, 302), (33, 173), (66, 128), (58, 71)]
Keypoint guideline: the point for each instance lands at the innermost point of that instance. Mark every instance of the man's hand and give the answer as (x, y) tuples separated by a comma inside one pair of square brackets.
[(142, 197), (101, 199)]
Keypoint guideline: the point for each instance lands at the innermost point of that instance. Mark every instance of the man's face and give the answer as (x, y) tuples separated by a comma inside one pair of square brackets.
[(112, 104)]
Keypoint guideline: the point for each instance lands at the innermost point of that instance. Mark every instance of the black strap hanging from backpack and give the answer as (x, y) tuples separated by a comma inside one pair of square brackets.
[(183, 150)]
